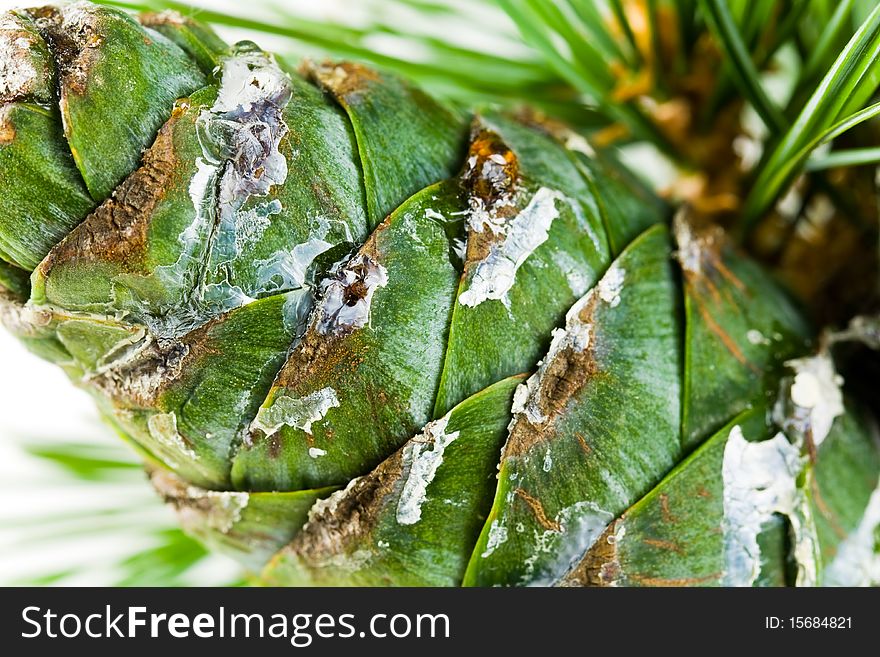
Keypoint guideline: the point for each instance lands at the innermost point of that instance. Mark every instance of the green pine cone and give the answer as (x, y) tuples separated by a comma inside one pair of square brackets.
[(321, 304)]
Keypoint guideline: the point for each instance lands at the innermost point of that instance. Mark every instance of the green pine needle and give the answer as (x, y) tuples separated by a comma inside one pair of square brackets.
[(744, 72), (830, 111), (845, 158)]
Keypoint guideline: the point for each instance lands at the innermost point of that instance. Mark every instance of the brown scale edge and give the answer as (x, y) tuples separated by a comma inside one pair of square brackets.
[(347, 517), (73, 40), (600, 565), (117, 229), (342, 79), (560, 380)]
